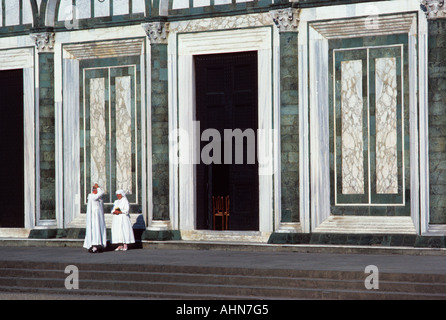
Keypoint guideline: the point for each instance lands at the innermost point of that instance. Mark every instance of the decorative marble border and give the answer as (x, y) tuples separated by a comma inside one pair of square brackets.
[(371, 197), (313, 51), (110, 158), (222, 23), (70, 49), (182, 47)]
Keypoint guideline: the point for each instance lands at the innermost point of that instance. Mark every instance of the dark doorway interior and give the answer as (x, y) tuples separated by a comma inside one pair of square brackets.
[(12, 146), (226, 98)]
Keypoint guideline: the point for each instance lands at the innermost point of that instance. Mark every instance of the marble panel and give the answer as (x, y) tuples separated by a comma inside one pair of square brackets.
[(12, 12), (138, 6), (202, 3), (101, 9), (98, 134), (120, 7), (65, 10), (180, 4), (83, 9), (351, 127), (123, 134), (217, 2), (27, 12), (386, 126)]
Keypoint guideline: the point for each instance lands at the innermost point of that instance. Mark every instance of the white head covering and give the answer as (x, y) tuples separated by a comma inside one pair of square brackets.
[(121, 192)]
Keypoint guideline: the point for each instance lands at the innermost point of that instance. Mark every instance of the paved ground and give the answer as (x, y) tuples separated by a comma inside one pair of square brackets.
[(238, 259)]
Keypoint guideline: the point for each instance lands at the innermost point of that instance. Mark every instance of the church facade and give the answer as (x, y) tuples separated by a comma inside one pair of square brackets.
[(318, 121)]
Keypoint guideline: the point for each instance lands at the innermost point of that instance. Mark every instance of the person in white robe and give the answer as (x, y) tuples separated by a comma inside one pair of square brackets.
[(122, 230), (95, 233)]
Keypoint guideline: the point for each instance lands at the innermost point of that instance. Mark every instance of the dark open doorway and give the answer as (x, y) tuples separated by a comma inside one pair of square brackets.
[(226, 98), (12, 146)]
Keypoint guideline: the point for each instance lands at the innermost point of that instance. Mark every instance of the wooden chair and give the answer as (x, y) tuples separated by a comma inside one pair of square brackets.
[(226, 213), (217, 210), (220, 208)]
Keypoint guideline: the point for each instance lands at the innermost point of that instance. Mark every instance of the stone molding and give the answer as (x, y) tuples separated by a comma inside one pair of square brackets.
[(44, 41), (287, 20), (434, 9), (157, 32)]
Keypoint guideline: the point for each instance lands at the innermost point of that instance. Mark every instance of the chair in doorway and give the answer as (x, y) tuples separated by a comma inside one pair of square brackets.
[(220, 209)]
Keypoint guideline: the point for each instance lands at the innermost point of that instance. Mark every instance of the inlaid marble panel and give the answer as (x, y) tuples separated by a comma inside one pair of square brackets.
[(352, 131), (386, 126), (123, 134), (98, 134)]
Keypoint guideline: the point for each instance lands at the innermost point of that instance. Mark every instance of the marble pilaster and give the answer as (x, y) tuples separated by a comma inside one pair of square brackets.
[(157, 33), (44, 42), (436, 56), (287, 21)]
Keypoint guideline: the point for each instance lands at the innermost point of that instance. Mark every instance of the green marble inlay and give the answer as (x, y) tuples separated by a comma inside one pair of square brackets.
[(110, 69), (371, 202)]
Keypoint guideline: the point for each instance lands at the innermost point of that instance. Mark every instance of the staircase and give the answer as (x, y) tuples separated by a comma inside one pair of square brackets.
[(212, 283)]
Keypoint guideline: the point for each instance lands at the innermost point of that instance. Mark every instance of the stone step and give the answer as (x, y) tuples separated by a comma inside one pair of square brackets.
[(208, 292), (157, 281), (140, 269), (241, 280)]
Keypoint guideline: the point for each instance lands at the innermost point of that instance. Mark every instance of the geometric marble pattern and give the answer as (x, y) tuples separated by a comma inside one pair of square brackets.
[(386, 126), (370, 167), (98, 134), (110, 131), (123, 134), (352, 131)]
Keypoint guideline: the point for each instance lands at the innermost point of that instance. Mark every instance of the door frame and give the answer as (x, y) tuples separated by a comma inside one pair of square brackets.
[(23, 58), (182, 109), (13, 81)]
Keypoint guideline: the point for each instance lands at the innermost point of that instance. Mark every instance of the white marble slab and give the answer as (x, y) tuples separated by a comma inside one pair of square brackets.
[(352, 128), (386, 126), (120, 7), (123, 134), (27, 12), (98, 134), (101, 9), (12, 12), (83, 9), (65, 10), (138, 6), (71, 141)]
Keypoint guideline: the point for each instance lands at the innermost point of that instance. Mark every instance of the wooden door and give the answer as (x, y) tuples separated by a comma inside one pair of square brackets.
[(226, 95), (12, 149)]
